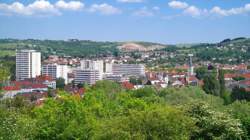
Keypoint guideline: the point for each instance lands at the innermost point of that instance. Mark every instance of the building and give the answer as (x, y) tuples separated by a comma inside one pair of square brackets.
[(28, 64), (116, 78), (56, 71), (93, 65), (128, 69), (40, 84), (88, 76), (108, 68)]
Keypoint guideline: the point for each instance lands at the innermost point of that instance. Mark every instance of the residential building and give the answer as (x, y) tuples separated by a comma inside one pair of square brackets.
[(93, 65), (56, 71), (116, 78), (128, 69), (88, 76), (28, 64)]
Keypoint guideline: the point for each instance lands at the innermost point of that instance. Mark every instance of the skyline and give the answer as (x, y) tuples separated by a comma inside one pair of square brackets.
[(168, 22)]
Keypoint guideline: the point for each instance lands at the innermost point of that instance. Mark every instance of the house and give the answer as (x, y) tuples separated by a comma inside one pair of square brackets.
[(40, 84), (192, 80), (229, 76)]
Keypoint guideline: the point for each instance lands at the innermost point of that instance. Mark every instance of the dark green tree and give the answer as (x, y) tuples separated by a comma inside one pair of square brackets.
[(211, 85), (60, 83), (222, 82), (201, 72)]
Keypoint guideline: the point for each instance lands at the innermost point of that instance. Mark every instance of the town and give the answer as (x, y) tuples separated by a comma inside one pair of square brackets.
[(124, 70), (37, 79)]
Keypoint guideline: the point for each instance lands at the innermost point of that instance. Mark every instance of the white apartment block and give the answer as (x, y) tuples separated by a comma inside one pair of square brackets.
[(88, 76), (128, 69), (108, 68), (28, 64), (93, 65), (56, 71)]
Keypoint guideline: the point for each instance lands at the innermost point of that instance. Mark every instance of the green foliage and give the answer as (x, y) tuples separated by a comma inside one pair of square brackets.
[(211, 85), (201, 72), (144, 92), (238, 78), (60, 83), (108, 112), (214, 125), (154, 123), (240, 94), (241, 110)]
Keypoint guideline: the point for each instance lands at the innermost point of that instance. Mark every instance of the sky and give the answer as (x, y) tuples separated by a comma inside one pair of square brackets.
[(162, 21)]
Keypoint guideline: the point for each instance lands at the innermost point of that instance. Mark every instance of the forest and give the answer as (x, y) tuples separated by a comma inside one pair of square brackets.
[(107, 111)]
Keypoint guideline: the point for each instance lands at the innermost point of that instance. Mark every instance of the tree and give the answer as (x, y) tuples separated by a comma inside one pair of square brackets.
[(238, 78), (201, 72), (222, 82), (60, 83), (240, 94), (133, 80), (211, 85), (165, 123), (213, 124), (240, 110), (224, 94), (80, 85)]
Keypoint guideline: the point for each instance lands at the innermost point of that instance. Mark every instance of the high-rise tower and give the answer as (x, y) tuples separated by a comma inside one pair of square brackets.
[(28, 64)]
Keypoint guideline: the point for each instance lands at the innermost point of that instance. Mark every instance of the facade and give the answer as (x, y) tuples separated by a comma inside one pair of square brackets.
[(108, 68), (28, 64), (116, 78), (128, 69), (56, 71), (87, 76), (93, 65)]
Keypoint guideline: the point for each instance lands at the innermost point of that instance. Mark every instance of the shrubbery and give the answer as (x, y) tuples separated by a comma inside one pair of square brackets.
[(108, 112)]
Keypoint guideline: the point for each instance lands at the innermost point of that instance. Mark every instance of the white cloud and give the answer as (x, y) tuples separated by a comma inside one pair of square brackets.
[(177, 4), (38, 7), (233, 11), (42, 7), (71, 5), (193, 11), (196, 12), (130, 1), (247, 7), (144, 12), (104, 9)]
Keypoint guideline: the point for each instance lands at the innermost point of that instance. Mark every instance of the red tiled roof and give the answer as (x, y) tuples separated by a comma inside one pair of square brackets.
[(192, 78), (247, 75), (11, 88), (38, 86), (127, 85), (44, 78)]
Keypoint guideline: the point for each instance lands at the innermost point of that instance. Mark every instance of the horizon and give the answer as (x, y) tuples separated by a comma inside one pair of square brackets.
[(135, 41), (165, 22)]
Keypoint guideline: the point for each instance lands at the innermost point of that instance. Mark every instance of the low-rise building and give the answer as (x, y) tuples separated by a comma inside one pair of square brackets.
[(56, 71), (128, 69), (88, 76)]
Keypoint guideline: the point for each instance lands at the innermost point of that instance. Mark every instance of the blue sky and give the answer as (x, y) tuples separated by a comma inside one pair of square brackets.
[(164, 21)]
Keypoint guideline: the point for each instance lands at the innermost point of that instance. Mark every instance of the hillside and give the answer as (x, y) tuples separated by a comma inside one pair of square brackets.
[(73, 47), (140, 46), (227, 51)]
